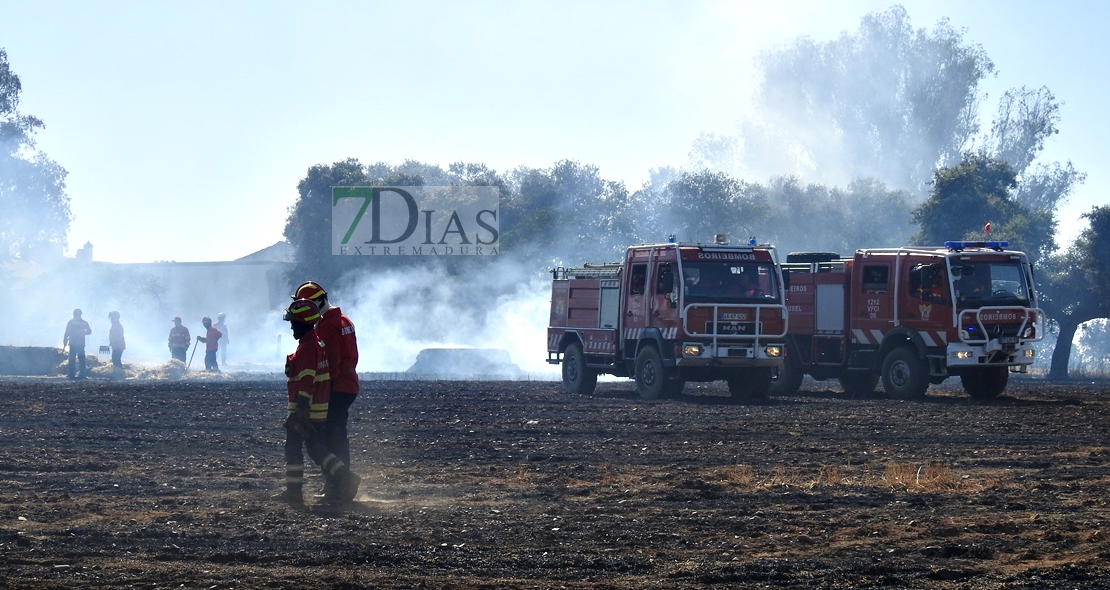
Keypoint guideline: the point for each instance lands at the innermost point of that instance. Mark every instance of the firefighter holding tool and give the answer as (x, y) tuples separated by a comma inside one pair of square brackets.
[(211, 340), (308, 393)]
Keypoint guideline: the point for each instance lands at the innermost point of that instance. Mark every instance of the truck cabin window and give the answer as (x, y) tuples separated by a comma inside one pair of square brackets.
[(665, 282), (926, 282), (875, 279), (747, 282), (977, 284), (638, 279)]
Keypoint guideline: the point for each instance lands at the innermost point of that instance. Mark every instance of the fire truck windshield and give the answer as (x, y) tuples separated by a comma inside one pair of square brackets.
[(977, 284), (728, 282)]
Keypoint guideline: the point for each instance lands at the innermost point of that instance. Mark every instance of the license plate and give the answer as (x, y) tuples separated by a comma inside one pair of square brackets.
[(1009, 339)]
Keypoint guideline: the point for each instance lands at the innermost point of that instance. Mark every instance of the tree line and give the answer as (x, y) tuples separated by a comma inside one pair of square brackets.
[(880, 127)]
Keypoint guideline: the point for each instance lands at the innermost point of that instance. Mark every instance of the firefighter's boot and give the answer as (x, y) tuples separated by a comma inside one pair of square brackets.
[(292, 496), (344, 488)]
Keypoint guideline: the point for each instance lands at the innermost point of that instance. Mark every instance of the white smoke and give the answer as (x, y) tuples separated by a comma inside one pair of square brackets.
[(399, 312)]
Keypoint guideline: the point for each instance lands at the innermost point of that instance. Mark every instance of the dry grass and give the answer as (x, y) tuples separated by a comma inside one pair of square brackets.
[(929, 477), (607, 477), (520, 477), (740, 475)]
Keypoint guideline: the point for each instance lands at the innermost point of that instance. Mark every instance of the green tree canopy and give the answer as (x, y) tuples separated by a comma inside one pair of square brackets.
[(831, 219), (977, 191), (36, 214), (1074, 283)]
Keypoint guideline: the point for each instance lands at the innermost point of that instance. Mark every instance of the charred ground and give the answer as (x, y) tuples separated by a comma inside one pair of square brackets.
[(514, 484)]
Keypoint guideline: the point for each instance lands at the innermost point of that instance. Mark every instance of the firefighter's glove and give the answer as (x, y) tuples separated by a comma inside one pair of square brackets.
[(300, 425), (304, 404)]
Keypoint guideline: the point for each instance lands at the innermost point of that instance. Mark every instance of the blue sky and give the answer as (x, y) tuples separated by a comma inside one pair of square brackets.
[(185, 127)]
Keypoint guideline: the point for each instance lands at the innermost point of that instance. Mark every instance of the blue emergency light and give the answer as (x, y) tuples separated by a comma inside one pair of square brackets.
[(958, 246)]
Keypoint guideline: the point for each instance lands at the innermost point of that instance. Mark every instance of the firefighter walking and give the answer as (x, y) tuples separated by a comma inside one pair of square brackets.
[(308, 392), (337, 332)]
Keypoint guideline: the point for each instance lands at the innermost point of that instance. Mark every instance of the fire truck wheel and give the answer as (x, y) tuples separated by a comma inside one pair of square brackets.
[(859, 383), (576, 377), (651, 375), (788, 379), (985, 383), (904, 375), (753, 383)]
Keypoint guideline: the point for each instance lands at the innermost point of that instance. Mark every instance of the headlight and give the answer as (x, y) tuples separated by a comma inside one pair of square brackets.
[(963, 354), (773, 350), (1029, 353), (692, 350)]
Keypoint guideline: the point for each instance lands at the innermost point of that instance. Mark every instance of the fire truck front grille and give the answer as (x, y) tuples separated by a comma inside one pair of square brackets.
[(732, 328), (993, 331)]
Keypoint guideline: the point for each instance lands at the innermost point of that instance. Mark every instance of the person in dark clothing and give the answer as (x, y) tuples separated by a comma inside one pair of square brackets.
[(76, 330), (179, 340)]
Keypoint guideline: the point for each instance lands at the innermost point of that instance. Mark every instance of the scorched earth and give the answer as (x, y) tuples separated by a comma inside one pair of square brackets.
[(157, 483)]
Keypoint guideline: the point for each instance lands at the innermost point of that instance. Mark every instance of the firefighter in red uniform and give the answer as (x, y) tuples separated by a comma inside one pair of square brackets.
[(76, 330), (308, 388), (179, 340), (338, 334), (211, 340)]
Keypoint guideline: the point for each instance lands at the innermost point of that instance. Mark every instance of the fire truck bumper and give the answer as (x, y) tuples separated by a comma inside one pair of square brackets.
[(1018, 357), (731, 355)]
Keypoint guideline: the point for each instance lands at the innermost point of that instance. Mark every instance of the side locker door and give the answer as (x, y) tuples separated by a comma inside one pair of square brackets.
[(872, 300)]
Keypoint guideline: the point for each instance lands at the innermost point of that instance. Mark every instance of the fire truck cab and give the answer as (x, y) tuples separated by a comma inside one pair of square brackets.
[(911, 316), (671, 313)]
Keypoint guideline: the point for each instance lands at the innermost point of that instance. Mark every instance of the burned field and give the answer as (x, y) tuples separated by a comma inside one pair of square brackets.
[(514, 484)]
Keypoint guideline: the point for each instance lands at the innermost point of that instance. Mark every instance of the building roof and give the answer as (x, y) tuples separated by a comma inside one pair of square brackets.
[(279, 252)]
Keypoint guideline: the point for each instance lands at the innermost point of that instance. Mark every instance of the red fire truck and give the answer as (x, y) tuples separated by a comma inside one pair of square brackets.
[(668, 314), (911, 316)]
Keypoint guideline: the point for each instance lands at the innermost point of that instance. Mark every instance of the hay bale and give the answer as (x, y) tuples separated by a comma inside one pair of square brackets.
[(91, 363), (171, 370), (464, 362), (30, 360)]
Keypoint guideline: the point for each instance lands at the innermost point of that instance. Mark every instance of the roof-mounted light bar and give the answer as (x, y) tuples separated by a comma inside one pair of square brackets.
[(960, 246)]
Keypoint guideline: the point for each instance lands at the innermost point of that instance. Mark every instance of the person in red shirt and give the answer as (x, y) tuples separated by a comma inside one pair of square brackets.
[(338, 333), (308, 396), (211, 340), (179, 340), (76, 330)]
